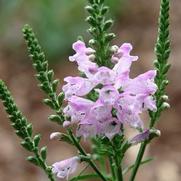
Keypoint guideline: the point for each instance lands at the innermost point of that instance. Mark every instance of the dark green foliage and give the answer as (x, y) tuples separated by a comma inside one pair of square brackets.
[(162, 50), (99, 30), (44, 75), (23, 129)]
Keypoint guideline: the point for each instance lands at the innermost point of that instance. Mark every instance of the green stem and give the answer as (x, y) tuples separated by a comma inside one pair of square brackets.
[(119, 170), (44, 166), (82, 151), (138, 160), (113, 167)]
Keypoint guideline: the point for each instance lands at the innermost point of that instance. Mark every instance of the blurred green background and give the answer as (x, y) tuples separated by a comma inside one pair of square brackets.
[(57, 24)]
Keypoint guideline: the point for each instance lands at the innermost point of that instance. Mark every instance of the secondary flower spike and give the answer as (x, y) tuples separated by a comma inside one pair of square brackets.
[(117, 98)]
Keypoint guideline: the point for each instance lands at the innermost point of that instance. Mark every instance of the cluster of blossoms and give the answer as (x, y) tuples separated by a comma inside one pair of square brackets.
[(117, 100)]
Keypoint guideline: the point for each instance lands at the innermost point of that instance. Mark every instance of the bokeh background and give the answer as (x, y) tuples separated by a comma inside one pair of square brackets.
[(57, 24)]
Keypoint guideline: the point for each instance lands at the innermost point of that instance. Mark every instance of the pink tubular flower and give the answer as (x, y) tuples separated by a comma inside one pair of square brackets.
[(108, 95), (124, 59), (83, 59), (65, 167), (128, 109), (78, 108), (142, 84), (104, 76), (77, 86)]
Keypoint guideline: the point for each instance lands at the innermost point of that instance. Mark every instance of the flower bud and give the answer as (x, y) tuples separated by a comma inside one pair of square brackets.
[(89, 9), (107, 24), (165, 105), (66, 124), (114, 49), (92, 42), (92, 57), (165, 97), (55, 136)]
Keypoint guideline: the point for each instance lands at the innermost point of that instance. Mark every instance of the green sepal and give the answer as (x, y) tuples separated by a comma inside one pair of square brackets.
[(43, 152), (107, 25), (36, 140), (27, 145), (61, 97), (49, 103), (50, 75), (30, 129), (55, 85), (55, 118), (33, 160)]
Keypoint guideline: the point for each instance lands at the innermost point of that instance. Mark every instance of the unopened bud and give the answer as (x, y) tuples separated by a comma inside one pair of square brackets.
[(154, 133), (66, 124), (165, 105), (165, 97), (92, 42), (90, 51), (92, 57), (114, 49), (55, 136)]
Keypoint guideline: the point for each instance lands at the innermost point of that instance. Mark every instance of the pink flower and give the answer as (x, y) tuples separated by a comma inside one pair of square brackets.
[(77, 86), (83, 59), (142, 84), (124, 59), (104, 76), (128, 110), (78, 108), (65, 167), (99, 112), (108, 95)]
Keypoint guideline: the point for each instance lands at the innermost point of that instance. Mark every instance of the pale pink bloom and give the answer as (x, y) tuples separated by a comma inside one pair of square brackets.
[(142, 84), (124, 59), (108, 95), (104, 76), (99, 112), (82, 57), (128, 110), (78, 108), (77, 86), (65, 168)]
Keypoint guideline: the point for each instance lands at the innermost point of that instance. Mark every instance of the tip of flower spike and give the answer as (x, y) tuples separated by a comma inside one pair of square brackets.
[(26, 27)]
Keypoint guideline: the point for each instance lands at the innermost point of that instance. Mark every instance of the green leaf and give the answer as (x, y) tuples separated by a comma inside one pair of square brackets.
[(37, 139), (55, 118), (27, 145), (61, 97), (30, 129), (49, 103), (55, 85), (33, 160)]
